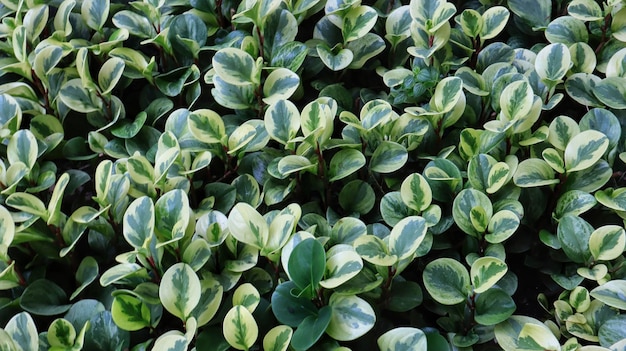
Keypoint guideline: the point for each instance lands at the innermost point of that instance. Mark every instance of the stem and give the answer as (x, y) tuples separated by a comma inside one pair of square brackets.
[(605, 26), (157, 276), (261, 41)]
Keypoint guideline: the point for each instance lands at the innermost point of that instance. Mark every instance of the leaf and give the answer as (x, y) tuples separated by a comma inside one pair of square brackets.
[(28, 203), (447, 94), (611, 332), (611, 92), (516, 100), (307, 264), (534, 12), (574, 234), (289, 308), (403, 338), (282, 121), (494, 21), (180, 290), (567, 30), (611, 293), (248, 226), (77, 98), (136, 24), (585, 149), (95, 13), (210, 300), (61, 334), (351, 317), (196, 254), (466, 202), (485, 272), (171, 213), (240, 138), (342, 264), (246, 295), (86, 273), (534, 172), (130, 313), (280, 85), (388, 157), (344, 163), (207, 126), (493, 306), (581, 87), (375, 113), (22, 330), (406, 236), (240, 328), (607, 242), (498, 176), (416, 192), (336, 61), (357, 196), (45, 298), (357, 22), (311, 329), (537, 337), (7, 232), (139, 223), (170, 342), (447, 281), (471, 22), (585, 10), (110, 74), (278, 338), (502, 226), (22, 148), (236, 67)]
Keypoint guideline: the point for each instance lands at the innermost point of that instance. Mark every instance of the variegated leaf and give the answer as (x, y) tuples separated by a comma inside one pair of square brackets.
[(358, 22), (180, 290), (486, 272), (280, 85), (553, 62), (236, 67), (494, 21), (282, 121), (239, 328), (585, 149)]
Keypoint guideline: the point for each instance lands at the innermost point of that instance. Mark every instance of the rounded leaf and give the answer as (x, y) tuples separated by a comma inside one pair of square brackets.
[(406, 236), (493, 306), (486, 272), (447, 281), (388, 157), (403, 338), (235, 66), (278, 338), (180, 290), (344, 163), (553, 62), (240, 328), (351, 317), (585, 149), (607, 242), (466, 201), (130, 313), (416, 192)]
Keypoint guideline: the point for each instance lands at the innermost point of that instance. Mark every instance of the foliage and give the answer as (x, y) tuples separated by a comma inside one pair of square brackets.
[(312, 174)]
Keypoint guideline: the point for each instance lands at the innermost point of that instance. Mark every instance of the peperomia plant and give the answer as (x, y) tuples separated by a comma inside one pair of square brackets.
[(312, 175)]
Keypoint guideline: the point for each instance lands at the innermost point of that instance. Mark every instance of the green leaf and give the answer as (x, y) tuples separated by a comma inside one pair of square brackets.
[(471, 22), (207, 126), (109, 75), (403, 338), (280, 85), (22, 330), (342, 264), (139, 223), (95, 13), (612, 198), (607, 242), (585, 149), (585, 10), (180, 290), (22, 148), (86, 273), (357, 196), (289, 308), (406, 236), (45, 298), (311, 329), (344, 163), (240, 138), (351, 317), (567, 30), (130, 313), (553, 62), (374, 250), (574, 233), (611, 332), (248, 226), (416, 192), (537, 337), (278, 338), (517, 99), (388, 157), (494, 21), (611, 293), (236, 67), (196, 254), (171, 213), (375, 113), (171, 342), (136, 24), (210, 300), (498, 176), (486, 272), (466, 202), (79, 99), (282, 121), (447, 281), (336, 61), (364, 49), (240, 328), (534, 172), (28, 203), (611, 92), (493, 306), (7, 232), (447, 94), (307, 264), (61, 334), (291, 55), (502, 225), (358, 22), (534, 12), (247, 296)]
